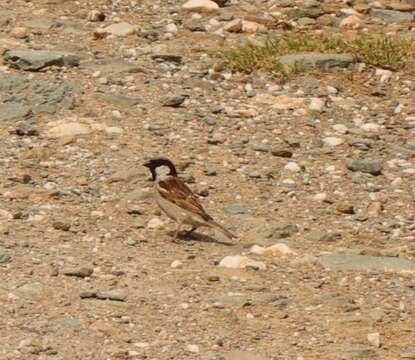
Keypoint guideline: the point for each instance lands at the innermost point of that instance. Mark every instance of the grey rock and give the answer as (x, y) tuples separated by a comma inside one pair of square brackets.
[(355, 262), (320, 235), (177, 59), (316, 61), (355, 319), (114, 295), (209, 171), (237, 210), (14, 111), (280, 230), (357, 354), (118, 99), (35, 60), (306, 21), (41, 23), (311, 12), (80, 272), (210, 120), (391, 16), (29, 290), (282, 153), (25, 97), (10, 82), (4, 257), (361, 143), (243, 355), (45, 108), (361, 178), (174, 100), (112, 66), (69, 323), (373, 167)]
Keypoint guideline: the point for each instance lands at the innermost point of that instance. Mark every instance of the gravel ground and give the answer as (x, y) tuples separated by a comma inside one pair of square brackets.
[(324, 164)]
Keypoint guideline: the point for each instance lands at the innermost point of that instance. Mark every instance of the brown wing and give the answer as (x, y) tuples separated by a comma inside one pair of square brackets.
[(176, 191)]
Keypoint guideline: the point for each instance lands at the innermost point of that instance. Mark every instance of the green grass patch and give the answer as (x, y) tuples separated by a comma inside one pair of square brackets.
[(393, 53)]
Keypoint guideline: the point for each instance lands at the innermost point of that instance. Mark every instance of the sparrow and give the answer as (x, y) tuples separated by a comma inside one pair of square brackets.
[(178, 201)]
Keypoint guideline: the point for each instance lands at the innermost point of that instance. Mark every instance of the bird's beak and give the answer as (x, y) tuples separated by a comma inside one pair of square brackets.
[(147, 164)]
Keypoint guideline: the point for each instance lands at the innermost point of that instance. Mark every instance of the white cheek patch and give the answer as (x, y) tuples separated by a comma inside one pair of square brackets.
[(162, 171)]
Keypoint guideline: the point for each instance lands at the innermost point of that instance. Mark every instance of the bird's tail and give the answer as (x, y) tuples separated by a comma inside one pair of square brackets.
[(222, 229)]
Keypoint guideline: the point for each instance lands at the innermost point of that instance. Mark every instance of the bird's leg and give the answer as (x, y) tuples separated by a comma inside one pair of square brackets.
[(177, 233)]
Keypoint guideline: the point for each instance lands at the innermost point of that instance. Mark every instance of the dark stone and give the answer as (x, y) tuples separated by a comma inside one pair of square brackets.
[(177, 59), (282, 153), (36, 60), (373, 167), (174, 100)]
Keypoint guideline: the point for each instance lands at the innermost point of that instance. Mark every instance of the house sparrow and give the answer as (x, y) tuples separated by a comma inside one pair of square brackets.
[(177, 200)]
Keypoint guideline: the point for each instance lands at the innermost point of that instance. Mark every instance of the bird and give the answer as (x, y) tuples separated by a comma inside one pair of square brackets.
[(178, 201)]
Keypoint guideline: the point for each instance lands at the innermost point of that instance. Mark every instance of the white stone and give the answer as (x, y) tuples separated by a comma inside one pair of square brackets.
[(332, 90), (68, 129), (370, 127), (201, 6), (240, 262), (316, 104), (121, 29), (192, 348), (116, 115), (333, 141), (374, 339), (172, 28), (176, 264), (340, 128), (279, 249), (155, 223), (292, 166), (383, 74), (320, 197)]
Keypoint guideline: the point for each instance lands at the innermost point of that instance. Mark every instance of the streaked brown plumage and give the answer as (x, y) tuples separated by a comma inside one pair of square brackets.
[(177, 200)]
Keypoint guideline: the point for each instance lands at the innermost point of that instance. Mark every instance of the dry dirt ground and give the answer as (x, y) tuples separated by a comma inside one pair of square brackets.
[(324, 163)]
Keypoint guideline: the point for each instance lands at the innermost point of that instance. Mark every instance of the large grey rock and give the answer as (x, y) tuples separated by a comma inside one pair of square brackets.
[(373, 167), (41, 23), (118, 99), (12, 83), (22, 98), (391, 16), (34, 60), (350, 262), (113, 66), (30, 290), (316, 60), (14, 111), (237, 210)]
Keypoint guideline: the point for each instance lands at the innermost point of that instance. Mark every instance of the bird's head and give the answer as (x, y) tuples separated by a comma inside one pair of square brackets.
[(154, 163)]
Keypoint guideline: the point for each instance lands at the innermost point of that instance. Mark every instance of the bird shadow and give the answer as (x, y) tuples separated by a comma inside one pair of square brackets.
[(196, 236)]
